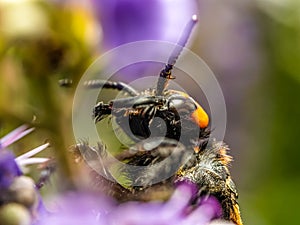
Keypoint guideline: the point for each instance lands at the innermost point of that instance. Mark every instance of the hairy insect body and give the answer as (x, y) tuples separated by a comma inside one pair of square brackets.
[(209, 170)]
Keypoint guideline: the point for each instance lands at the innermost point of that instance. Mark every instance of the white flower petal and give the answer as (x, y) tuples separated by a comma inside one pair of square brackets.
[(30, 161), (32, 152), (15, 135)]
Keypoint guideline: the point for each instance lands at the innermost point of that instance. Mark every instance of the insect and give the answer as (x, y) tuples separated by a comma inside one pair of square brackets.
[(178, 122)]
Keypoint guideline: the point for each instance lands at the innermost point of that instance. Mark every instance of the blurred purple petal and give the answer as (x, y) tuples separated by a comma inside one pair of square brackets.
[(125, 21), (10, 172), (8, 169), (208, 210), (180, 198), (77, 208)]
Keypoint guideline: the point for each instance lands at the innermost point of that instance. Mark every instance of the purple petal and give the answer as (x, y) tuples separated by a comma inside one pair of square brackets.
[(206, 212), (8, 169), (180, 199), (76, 208), (14, 135), (125, 21)]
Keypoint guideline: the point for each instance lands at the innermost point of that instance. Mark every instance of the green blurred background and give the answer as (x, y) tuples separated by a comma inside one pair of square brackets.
[(252, 46)]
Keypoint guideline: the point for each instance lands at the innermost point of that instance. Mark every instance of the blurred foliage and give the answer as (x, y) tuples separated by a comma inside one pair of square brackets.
[(42, 42), (271, 197)]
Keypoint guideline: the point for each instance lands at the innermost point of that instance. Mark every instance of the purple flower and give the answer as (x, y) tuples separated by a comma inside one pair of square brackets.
[(77, 208), (125, 21), (14, 164), (175, 211), (8, 169), (18, 193)]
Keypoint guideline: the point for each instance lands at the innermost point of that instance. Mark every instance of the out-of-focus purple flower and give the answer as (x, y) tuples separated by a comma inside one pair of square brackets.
[(77, 208), (8, 169), (18, 193), (12, 163), (125, 21), (175, 211)]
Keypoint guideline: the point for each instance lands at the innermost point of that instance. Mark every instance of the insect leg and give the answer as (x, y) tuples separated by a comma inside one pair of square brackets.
[(101, 110)]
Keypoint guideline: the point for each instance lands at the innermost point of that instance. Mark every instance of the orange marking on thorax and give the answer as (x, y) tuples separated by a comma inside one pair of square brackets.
[(200, 117)]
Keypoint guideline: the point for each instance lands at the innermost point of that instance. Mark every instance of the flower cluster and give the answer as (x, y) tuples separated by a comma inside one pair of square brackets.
[(20, 202)]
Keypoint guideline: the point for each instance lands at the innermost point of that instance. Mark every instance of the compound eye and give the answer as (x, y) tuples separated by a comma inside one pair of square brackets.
[(200, 117), (177, 102), (185, 103)]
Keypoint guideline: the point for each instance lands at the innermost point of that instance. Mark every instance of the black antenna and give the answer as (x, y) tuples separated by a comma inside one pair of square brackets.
[(165, 75)]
